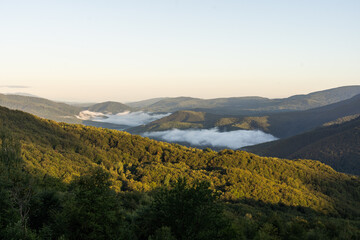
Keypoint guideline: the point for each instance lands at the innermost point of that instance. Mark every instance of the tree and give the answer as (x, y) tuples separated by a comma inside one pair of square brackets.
[(190, 211), (93, 212), (19, 183)]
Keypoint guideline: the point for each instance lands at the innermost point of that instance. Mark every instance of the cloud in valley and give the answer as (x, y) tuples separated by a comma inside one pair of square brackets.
[(131, 119), (213, 137)]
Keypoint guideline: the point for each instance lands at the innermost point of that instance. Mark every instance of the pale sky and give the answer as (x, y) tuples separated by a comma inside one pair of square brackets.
[(87, 50)]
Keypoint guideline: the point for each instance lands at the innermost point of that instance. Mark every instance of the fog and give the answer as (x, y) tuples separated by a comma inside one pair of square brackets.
[(213, 137), (130, 119), (195, 137)]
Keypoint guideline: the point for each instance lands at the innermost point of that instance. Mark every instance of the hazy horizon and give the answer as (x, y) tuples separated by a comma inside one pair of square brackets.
[(24, 93), (89, 51)]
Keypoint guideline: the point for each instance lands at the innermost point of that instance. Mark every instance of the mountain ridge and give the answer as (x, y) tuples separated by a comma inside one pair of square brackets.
[(256, 105), (336, 145), (278, 124)]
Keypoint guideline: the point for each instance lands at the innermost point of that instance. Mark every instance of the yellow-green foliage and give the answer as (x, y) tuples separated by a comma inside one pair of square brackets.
[(225, 121), (177, 125), (253, 123), (65, 151), (341, 120)]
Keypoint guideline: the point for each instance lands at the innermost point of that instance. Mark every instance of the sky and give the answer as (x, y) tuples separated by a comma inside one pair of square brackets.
[(92, 51)]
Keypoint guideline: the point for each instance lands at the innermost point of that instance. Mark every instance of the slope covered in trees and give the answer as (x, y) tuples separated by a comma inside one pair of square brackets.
[(336, 145), (137, 163), (41, 107), (75, 165)]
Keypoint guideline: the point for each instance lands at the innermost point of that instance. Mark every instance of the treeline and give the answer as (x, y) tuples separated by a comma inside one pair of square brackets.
[(125, 181), (88, 208)]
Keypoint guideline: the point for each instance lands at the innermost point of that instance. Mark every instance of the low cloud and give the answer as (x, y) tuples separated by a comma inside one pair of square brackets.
[(131, 119), (88, 115), (213, 137), (13, 86)]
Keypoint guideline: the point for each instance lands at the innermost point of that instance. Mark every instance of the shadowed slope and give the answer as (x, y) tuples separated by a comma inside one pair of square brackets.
[(336, 145)]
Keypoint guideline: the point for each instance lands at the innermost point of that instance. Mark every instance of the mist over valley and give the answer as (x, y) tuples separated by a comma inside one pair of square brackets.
[(192, 137)]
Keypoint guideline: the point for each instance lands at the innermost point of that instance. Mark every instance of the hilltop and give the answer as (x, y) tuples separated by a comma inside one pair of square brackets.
[(109, 107)]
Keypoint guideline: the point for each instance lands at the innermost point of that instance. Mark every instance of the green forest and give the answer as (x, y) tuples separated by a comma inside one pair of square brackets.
[(65, 181)]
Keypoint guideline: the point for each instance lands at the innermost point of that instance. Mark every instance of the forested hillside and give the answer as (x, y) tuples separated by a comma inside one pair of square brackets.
[(336, 144), (70, 167), (41, 107)]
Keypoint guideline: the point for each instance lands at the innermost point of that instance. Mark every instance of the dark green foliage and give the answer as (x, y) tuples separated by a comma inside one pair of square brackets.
[(76, 182), (191, 212), (291, 123), (16, 189), (163, 233), (336, 145), (61, 151), (92, 211)]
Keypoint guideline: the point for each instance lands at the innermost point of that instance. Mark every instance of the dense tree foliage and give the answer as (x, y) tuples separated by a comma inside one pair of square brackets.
[(191, 212), (61, 181)]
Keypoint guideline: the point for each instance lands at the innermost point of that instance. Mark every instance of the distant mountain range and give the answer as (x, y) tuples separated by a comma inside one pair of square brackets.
[(254, 105), (337, 144), (280, 117), (278, 124), (144, 103), (283, 118), (57, 111)]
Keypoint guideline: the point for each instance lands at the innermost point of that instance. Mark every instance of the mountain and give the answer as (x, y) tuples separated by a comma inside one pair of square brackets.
[(109, 107), (179, 120), (219, 105), (255, 105), (41, 107), (65, 181), (292, 123), (144, 103), (279, 124), (80, 104), (336, 144), (23, 94)]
